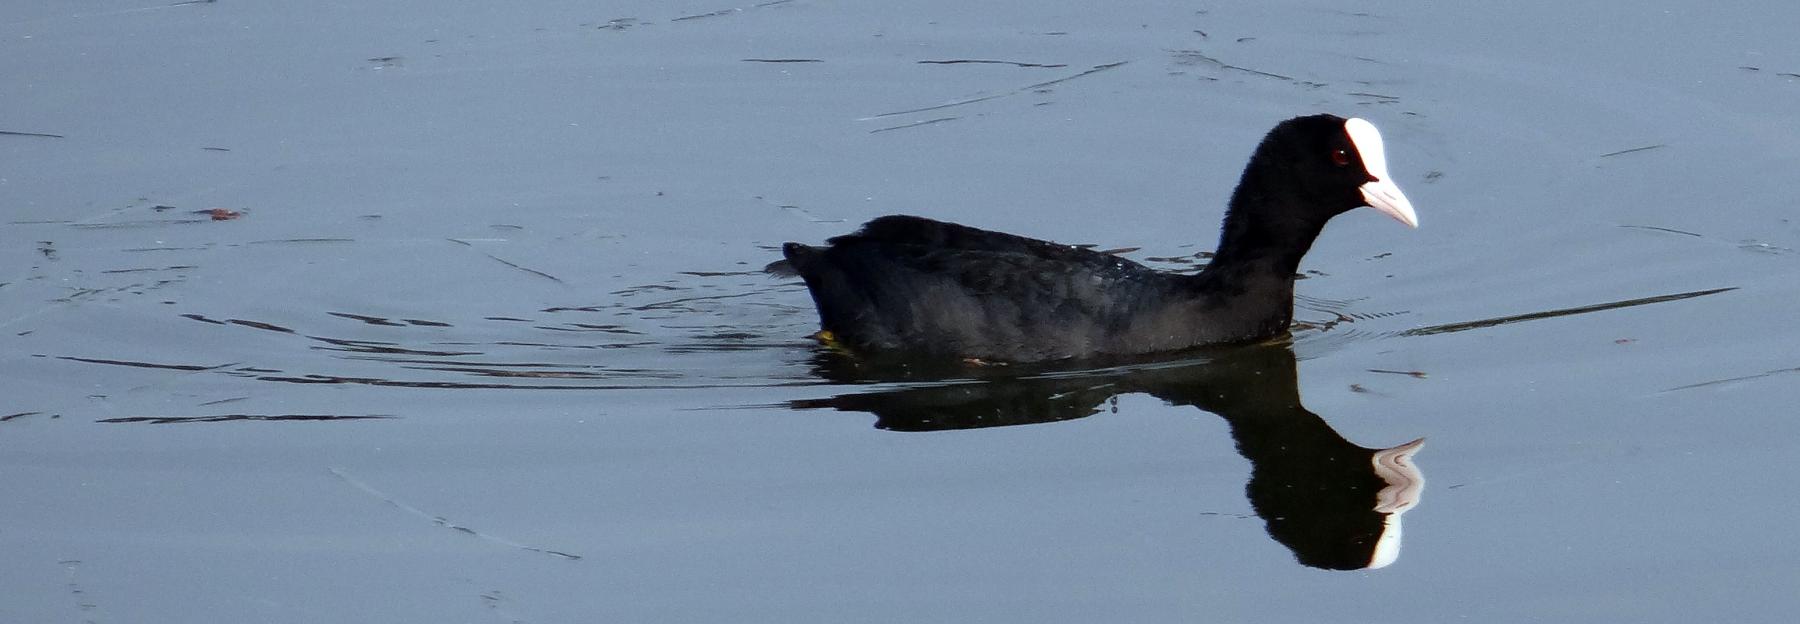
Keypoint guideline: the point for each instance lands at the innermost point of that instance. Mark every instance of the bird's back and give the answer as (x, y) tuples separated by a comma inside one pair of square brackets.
[(926, 287)]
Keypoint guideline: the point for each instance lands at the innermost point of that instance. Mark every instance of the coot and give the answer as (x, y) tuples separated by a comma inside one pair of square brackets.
[(917, 287)]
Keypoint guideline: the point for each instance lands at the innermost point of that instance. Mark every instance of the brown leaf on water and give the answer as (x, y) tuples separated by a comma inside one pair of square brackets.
[(222, 214)]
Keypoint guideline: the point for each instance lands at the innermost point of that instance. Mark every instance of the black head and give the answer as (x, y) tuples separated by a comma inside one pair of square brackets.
[(1327, 165)]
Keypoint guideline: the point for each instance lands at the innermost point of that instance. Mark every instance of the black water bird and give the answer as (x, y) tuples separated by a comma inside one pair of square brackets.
[(916, 287)]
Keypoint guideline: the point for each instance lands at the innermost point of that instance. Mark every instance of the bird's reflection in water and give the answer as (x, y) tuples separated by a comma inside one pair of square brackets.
[(1337, 505)]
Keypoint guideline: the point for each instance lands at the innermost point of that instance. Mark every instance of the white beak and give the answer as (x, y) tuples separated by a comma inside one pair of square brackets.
[(1379, 192), (1384, 196)]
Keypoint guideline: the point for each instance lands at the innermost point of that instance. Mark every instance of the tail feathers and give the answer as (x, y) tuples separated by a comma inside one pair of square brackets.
[(799, 259), (791, 250)]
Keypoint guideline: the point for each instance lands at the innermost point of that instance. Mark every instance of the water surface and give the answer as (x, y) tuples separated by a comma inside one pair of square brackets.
[(409, 312)]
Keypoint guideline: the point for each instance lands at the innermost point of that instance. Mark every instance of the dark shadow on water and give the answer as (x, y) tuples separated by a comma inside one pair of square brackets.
[(1335, 504), (1577, 310), (171, 420)]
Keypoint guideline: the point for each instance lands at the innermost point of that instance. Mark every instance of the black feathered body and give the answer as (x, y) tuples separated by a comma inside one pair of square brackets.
[(930, 288)]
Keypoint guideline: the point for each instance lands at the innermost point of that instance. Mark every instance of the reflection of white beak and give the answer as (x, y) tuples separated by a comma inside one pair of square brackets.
[(1380, 191), (1404, 484)]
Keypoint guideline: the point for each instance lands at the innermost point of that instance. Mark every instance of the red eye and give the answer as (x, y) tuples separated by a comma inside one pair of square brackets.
[(1341, 157)]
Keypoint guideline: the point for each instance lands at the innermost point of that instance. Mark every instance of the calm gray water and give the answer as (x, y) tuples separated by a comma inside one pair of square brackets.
[(481, 334)]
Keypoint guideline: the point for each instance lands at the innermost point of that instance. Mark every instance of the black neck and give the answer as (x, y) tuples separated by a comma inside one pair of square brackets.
[(1267, 231), (1266, 226)]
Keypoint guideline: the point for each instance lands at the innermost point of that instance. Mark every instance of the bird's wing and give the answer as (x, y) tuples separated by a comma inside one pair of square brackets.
[(931, 234)]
